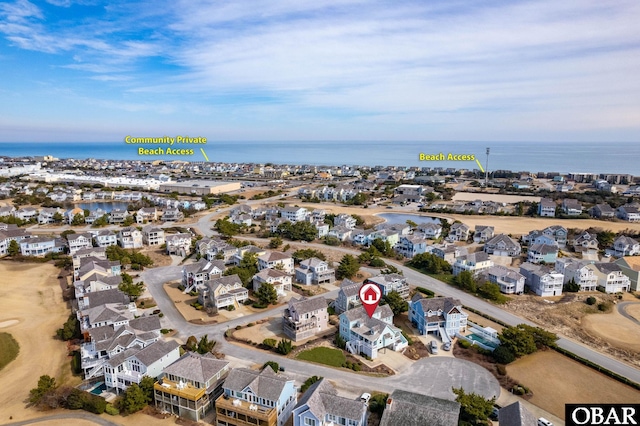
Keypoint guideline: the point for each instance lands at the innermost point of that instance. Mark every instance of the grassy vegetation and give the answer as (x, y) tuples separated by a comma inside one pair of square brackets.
[(447, 278), (10, 349), (322, 355)]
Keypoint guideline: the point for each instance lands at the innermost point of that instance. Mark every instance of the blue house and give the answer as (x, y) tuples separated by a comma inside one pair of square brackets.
[(438, 315), (321, 405)]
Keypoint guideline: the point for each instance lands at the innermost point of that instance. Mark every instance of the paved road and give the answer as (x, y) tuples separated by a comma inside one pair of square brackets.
[(66, 416), (456, 373), (622, 308)]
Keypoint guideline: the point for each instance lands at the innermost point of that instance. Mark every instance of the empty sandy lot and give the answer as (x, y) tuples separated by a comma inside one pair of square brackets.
[(556, 380), (31, 308), (616, 329)]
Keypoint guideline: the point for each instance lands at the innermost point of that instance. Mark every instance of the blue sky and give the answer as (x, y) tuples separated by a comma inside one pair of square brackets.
[(548, 70)]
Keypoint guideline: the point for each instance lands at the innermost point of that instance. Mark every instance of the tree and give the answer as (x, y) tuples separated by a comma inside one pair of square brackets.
[(130, 289), (474, 408), (395, 302), (275, 242), (267, 294), (571, 286), (303, 254), (503, 355), (284, 347), (377, 403), (605, 238), (412, 224), (465, 281), (205, 345), (430, 263), (227, 228), (146, 385), (348, 267), (518, 340), (78, 219), (390, 269), (192, 343), (133, 399), (46, 385), (310, 381), (57, 217), (70, 329), (274, 366), (14, 248)]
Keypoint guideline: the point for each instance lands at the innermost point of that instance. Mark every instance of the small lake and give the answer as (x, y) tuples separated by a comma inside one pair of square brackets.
[(403, 218), (107, 206)]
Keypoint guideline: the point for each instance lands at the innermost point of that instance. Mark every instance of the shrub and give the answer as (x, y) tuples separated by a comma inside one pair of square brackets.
[(285, 347), (238, 327), (231, 308), (340, 342), (604, 306), (503, 355), (356, 367), (160, 315), (591, 300), (465, 344), (270, 343), (251, 324), (274, 365), (307, 383), (111, 410), (501, 369), (166, 330)]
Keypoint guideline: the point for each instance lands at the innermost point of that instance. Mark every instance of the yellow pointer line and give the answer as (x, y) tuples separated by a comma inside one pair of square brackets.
[(479, 165), (207, 158)]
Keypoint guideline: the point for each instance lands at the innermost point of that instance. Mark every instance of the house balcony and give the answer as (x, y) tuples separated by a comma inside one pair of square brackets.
[(232, 411)]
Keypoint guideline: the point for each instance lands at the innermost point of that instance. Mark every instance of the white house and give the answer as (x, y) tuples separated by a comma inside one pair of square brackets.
[(610, 277), (79, 241), (105, 238), (510, 281), (321, 405), (130, 238), (275, 259), (178, 244), (314, 271), (152, 235), (368, 335), (441, 315), (280, 280), (473, 262), (541, 280)]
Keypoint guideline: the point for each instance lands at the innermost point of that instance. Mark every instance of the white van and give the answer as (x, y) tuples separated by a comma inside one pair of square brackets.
[(544, 422), (434, 347)]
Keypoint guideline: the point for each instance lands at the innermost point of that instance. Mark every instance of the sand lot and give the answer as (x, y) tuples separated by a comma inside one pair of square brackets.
[(616, 329), (556, 380), (31, 309)]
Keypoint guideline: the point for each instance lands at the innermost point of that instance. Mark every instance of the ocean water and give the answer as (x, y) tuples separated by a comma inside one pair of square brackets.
[(585, 157)]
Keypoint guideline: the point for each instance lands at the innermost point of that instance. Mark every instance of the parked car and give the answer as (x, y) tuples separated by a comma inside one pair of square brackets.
[(433, 346), (447, 346), (495, 412), (544, 422), (365, 397)]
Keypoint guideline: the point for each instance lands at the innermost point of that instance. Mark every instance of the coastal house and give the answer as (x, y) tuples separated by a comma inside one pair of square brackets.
[(294, 214), (314, 271), (94, 215), (215, 249), (571, 207), (542, 253), (630, 266), (368, 335), (345, 220), (178, 244), (585, 242), (502, 245), (348, 296), (221, 292), (412, 409), (628, 213), (110, 314), (602, 211), (41, 246), (130, 366), (482, 234), (70, 215), (509, 280), (441, 316), (50, 215), (516, 414), (340, 232), (129, 238), (105, 238), (189, 387), (305, 318), (196, 274), (277, 260), (473, 262), (79, 241), (146, 215), (547, 207), (458, 232), (625, 246), (321, 405), (280, 280), (610, 277), (254, 397), (118, 216), (430, 230), (410, 245), (576, 270), (542, 280), (171, 214), (152, 235), (390, 282)]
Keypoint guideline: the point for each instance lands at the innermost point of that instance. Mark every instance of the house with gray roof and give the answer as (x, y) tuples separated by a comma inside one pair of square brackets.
[(625, 246), (276, 259), (472, 262), (321, 405), (610, 277), (509, 280), (41, 246), (305, 318), (547, 207), (412, 409), (152, 235), (189, 387), (602, 211), (516, 414), (442, 316), (221, 292), (315, 271), (542, 253), (261, 397), (542, 280), (458, 232), (368, 335), (178, 244), (348, 296), (196, 274), (390, 282), (115, 314), (131, 365), (281, 281), (502, 245), (482, 233), (79, 241)]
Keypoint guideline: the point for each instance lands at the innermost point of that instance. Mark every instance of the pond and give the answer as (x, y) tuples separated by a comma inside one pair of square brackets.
[(402, 218)]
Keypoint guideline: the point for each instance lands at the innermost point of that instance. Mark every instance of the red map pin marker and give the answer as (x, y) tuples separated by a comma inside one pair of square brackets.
[(370, 296)]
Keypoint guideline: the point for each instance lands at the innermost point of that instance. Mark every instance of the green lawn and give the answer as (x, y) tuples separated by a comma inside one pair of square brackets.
[(323, 355), (10, 349)]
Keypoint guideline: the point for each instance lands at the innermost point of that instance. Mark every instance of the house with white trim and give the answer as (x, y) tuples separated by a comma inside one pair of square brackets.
[(153, 235), (280, 280), (146, 214), (630, 213), (277, 260), (547, 207), (625, 246), (79, 241), (611, 279), (304, 318), (294, 214), (390, 282), (539, 253), (437, 315), (321, 405), (482, 233), (458, 232), (502, 245), (129, 238), (178, 244), (130, 366), (509, 280), (410, 245), (577, 271), (348, 296), (196, 274), (472, 262), (542, 280), (221, 292), (368, 335), (105, 238), (432, 231), (41, 246), (314, 271)]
